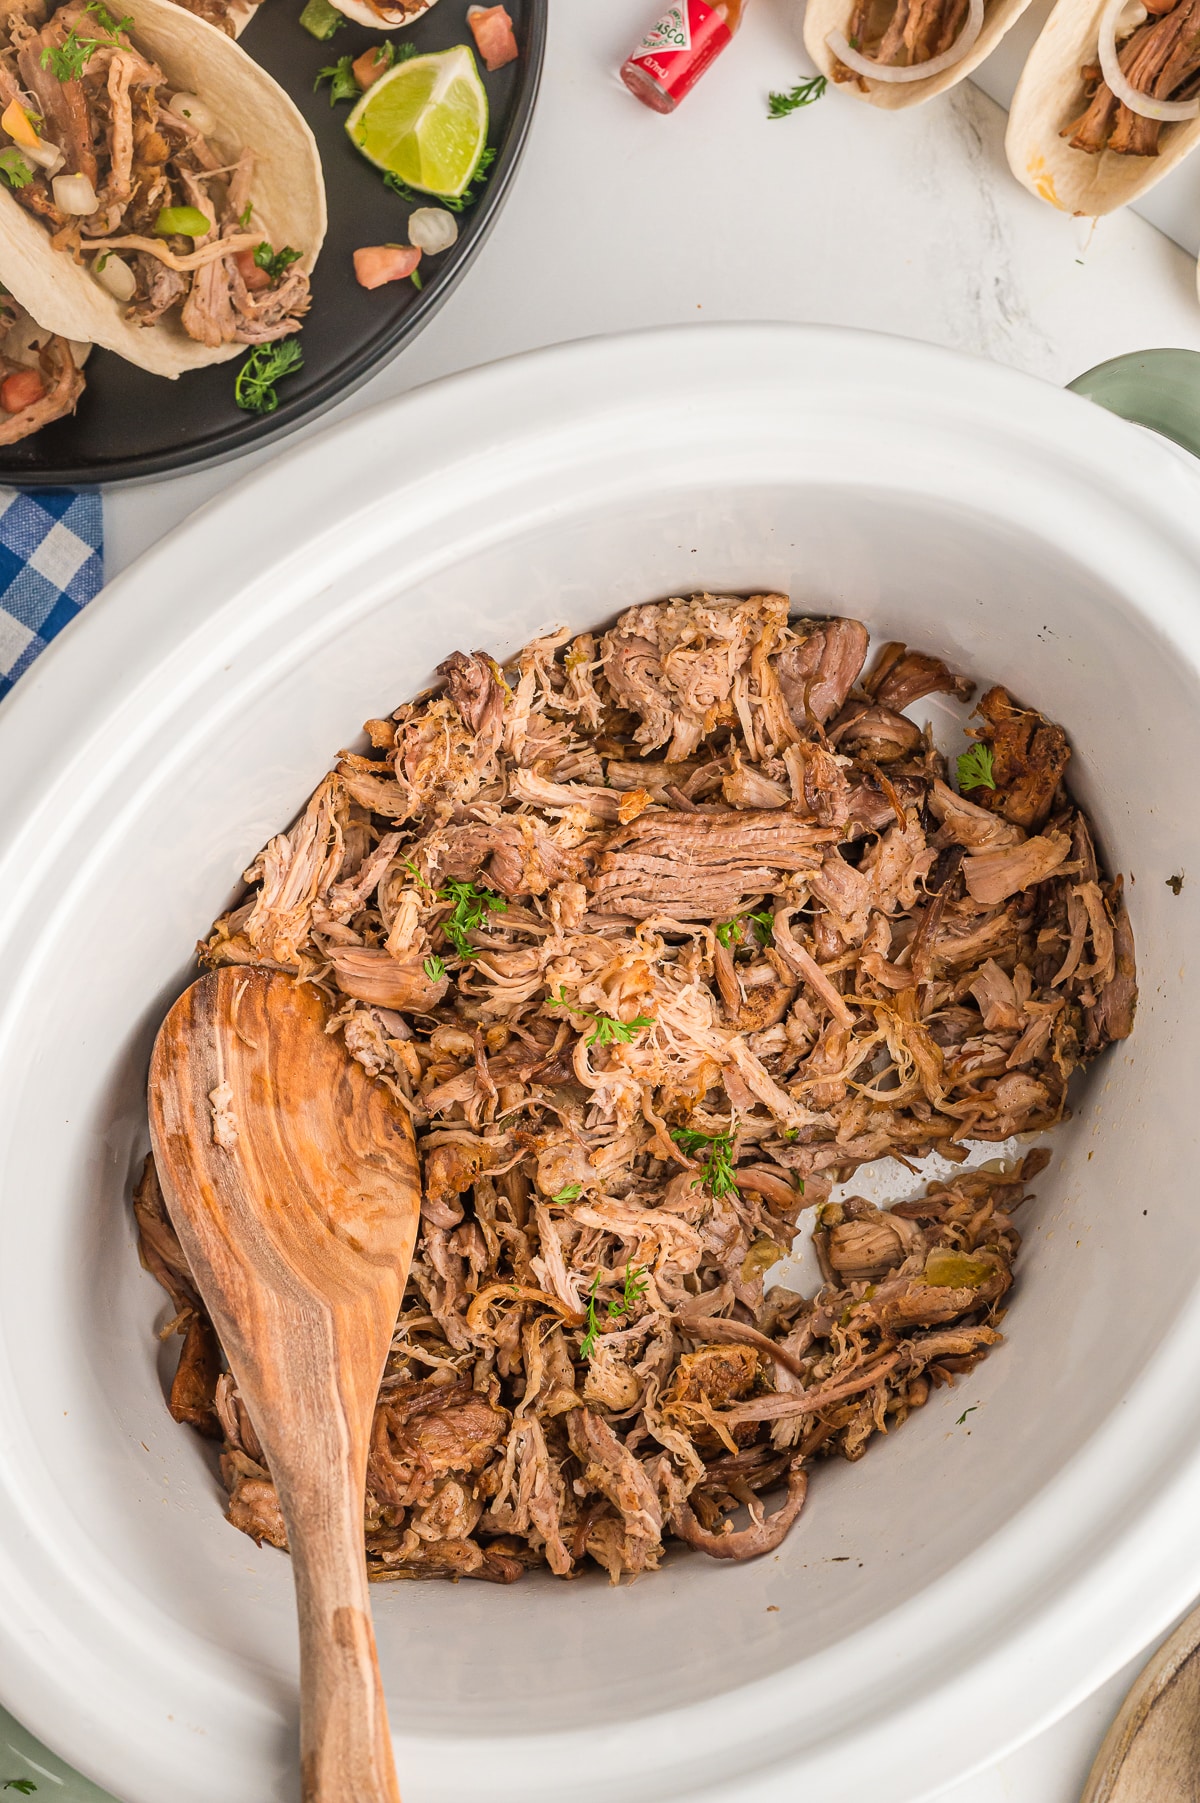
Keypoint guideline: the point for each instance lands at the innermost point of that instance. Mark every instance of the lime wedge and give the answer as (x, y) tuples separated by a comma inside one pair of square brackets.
[(426, 121)]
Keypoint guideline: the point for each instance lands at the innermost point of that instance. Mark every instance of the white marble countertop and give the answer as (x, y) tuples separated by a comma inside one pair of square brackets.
[(907, 223)]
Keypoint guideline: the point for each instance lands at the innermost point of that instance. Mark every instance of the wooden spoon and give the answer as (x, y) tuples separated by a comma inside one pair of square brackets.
[(1151, 1754), (293, 1184)]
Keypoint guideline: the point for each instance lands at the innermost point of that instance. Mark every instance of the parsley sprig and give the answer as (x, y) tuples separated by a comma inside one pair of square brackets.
[(803, 94), (471, 909), (275, 262), (434, 968), (975, 768), (635, 1289), (254, 390), (69, 59), (730, 932), (715, 1152), (570, 1192), (606, 1029)]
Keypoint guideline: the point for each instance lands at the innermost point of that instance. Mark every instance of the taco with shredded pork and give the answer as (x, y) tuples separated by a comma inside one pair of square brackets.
[(41, 375), (1109, 102), (897, 53), (160, 194)]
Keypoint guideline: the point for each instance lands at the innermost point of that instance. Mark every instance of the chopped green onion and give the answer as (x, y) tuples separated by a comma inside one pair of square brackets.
[(321, 19), (187, 222)]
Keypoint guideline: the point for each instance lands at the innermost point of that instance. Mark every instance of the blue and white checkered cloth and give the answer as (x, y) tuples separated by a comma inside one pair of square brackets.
[(51, 566)]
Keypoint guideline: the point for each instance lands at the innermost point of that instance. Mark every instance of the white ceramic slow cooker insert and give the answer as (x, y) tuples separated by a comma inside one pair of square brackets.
[(937, 1601)]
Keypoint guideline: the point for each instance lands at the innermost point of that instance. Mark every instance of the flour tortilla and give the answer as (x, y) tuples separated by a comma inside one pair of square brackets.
[(824, 16), (1050, 94), (251, 111)]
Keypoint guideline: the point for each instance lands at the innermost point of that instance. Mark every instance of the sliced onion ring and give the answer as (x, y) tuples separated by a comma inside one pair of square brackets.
[(862, 65), (1115, 78)]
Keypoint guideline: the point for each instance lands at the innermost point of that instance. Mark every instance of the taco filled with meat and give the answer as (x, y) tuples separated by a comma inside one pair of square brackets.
[(160, 194), (41, 374), (897, 53), (1108, 103)]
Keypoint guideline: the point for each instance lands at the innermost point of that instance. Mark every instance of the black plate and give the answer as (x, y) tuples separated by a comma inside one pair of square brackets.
[(130, 424)]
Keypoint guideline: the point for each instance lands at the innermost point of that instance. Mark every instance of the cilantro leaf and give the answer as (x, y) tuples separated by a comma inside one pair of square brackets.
[(570, 1192), (26, 1786), (275, 262), (730, 931), (15, 169), (343, 83), (68, 60), (975, 768), (434, 968)]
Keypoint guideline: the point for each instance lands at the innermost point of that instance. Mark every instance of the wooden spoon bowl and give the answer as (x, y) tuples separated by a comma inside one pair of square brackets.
[(1151, 1754), (293, 1184)]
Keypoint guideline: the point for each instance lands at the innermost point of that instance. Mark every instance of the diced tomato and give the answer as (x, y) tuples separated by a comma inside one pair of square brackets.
[(368, 67), (380, 263), (256, 279), (493, 32), (21, 390)]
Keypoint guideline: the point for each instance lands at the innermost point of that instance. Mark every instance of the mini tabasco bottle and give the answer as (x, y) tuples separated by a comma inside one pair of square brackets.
[(673, 56)]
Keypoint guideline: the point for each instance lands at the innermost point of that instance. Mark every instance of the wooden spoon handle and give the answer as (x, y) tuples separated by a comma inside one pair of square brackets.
[(345, 1746)]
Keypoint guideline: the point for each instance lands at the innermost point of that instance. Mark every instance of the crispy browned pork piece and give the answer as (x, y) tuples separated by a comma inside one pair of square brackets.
[(1160, 58), (657, 934)]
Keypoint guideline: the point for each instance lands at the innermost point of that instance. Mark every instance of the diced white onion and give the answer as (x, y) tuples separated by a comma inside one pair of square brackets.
[(24, 340), (47, 156), (863, 65), (432, 229), (186, 106), (1110, 67), (74, 194), (116, 276)]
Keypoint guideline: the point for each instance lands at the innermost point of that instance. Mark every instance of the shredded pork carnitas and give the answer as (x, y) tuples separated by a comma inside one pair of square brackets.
[(657, 935), (904, 35), (1160, 57), (107, 108)]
